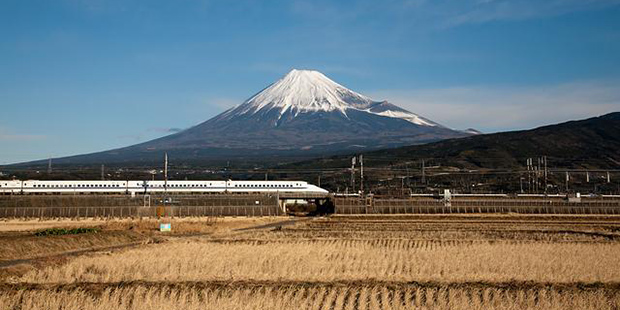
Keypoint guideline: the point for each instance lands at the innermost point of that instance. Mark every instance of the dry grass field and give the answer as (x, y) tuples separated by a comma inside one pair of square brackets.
[(365, 262)]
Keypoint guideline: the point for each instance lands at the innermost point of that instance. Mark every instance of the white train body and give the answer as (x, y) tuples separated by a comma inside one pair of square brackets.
[(10, 186), (50, 187), (145, 187)]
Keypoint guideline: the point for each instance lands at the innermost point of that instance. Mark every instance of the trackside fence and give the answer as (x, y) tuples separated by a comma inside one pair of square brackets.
[(139, 206), (435, 206)]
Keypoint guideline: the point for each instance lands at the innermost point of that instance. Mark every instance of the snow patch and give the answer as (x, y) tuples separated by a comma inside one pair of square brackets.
[(304, 91), (408, 116)]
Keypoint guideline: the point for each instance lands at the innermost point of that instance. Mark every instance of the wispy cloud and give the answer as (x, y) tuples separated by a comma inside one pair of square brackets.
[(165, 129), (9, 136), (506, 108), (445, 13), (481, 11), (224, 103), (150, 133)]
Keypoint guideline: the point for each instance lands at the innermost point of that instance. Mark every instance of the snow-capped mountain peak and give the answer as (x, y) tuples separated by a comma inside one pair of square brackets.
[(307, 91)]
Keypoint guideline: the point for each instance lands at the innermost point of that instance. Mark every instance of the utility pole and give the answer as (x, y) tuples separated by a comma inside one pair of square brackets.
[(608, 178), (353, 162), (319, 180), (587, 176), (529, 175), (362, 174), (545, 162), (166, 172), (49, 166), (266, 176), (567, 179), (102, 172), (538, 173)]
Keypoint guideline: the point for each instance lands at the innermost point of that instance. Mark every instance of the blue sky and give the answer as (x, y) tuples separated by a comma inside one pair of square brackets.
[(80, 76)]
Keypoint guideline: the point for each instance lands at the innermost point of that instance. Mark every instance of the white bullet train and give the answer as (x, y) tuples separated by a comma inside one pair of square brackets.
[(144, 187)]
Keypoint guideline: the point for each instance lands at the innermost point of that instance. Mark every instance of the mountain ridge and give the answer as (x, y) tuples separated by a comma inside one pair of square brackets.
[(592, 143)]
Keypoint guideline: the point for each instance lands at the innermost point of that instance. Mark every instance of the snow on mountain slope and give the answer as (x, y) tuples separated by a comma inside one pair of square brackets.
[(305, 91)]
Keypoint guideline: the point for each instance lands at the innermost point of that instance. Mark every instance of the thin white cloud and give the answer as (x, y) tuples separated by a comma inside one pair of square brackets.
[(496, 10), (165, 129), (225, 103), (444, 13), (10, 136), (493, 109)]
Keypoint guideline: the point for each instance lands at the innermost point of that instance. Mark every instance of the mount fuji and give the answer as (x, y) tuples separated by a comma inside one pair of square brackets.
[(304, 114)]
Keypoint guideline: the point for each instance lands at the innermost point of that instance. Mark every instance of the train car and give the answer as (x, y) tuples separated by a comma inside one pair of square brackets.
[(60, 187), (181, 186), (10, 186), (268, 186)]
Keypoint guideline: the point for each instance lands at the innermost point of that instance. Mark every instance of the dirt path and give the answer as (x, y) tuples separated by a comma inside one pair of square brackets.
[(61, 255), (276, 224)]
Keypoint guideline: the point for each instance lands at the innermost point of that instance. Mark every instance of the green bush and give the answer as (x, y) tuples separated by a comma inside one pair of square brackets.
[(65, 231)]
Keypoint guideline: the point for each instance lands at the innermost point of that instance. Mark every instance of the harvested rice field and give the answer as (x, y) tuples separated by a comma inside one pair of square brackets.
[(342, 262)]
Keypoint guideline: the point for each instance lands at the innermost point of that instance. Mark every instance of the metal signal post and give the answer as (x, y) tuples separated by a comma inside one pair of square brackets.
[(166, 172), (361, 174), (353, 162)]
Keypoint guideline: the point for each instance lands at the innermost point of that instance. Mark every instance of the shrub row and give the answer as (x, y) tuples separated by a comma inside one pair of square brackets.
[(65, 231)]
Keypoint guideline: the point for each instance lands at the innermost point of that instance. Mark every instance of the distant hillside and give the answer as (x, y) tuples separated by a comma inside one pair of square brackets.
[(590, 143)]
